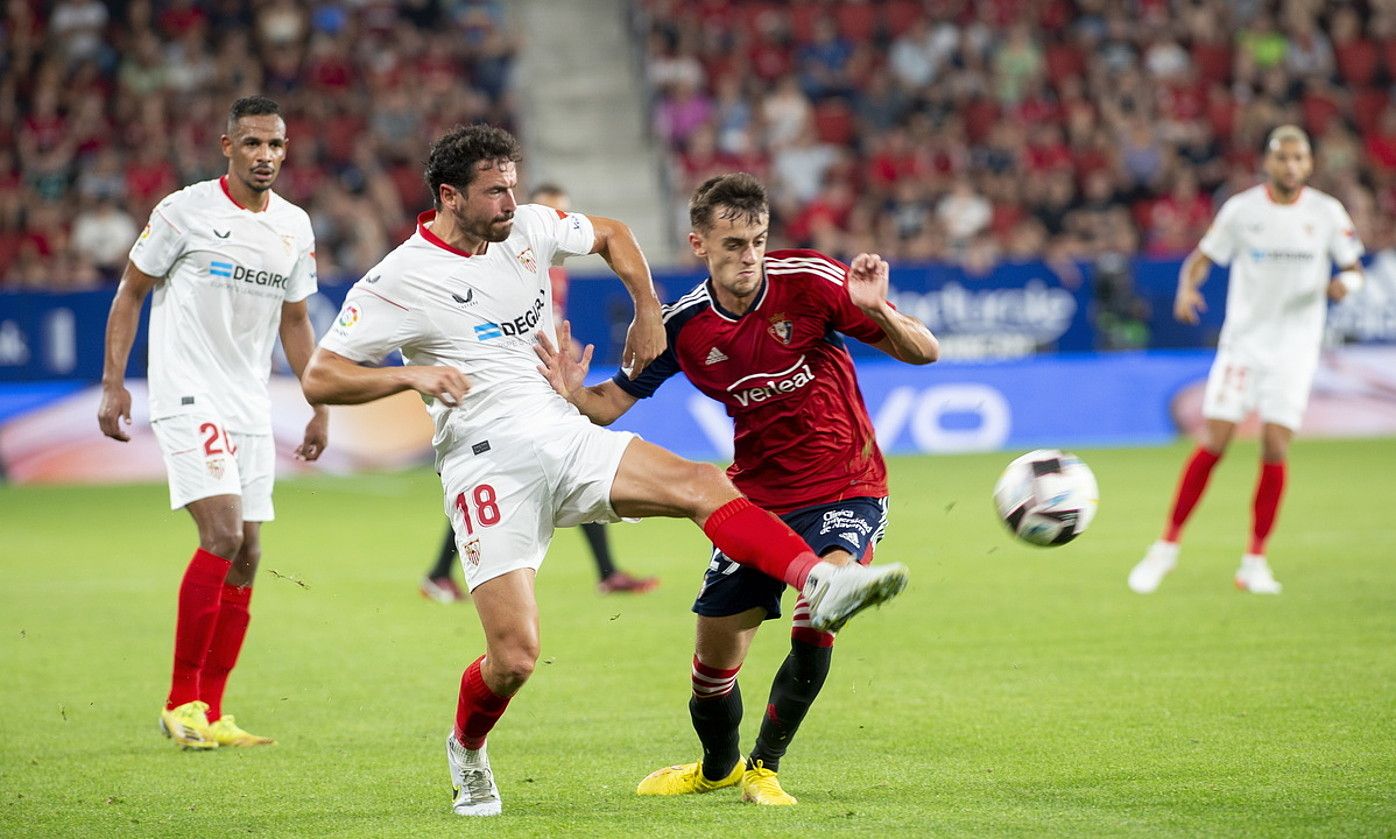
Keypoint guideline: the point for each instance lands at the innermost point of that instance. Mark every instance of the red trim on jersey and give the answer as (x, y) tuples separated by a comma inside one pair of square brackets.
[(560, 213), (429, 215), (386, 300), (223, 182), (177, 228), (1273, 200)]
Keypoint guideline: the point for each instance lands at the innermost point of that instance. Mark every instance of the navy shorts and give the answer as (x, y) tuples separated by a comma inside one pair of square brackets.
[(853, 524)]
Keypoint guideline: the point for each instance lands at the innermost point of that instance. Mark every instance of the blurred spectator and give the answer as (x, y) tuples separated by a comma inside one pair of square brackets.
[(1066, 129), (963, 213), (107, 107), (102, 236)]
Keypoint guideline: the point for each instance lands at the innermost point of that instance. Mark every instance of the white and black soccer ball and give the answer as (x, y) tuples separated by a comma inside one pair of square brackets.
[(1047, 497)]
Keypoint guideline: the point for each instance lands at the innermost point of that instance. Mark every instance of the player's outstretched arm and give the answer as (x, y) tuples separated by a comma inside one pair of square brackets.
[(907, 339), (566, 370), (298, 339), (1189, 302), (645, 339), (332, 379), (122, 322)]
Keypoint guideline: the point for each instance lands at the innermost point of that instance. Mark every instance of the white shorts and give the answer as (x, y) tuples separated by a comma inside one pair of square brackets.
[(202, 460), (507, 489), (1237, 386)]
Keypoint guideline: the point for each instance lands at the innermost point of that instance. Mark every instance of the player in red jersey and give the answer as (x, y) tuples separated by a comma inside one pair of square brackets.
[(763, 336)]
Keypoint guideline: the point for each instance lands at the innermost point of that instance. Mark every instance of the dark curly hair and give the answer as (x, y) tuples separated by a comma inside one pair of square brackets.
[(251, 106), (738, 194), (454, 157)]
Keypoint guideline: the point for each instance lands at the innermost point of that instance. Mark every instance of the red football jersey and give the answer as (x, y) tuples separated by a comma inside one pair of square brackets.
[(803, 435)]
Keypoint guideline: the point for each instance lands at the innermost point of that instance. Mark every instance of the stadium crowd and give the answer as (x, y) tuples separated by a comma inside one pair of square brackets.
[(1084, 130), (1014, 129), (107, 107)]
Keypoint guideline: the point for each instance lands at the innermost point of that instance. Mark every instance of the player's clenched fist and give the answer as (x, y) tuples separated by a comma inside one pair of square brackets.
[(445, 383), (868, 281), (116, 406), (644, 340)]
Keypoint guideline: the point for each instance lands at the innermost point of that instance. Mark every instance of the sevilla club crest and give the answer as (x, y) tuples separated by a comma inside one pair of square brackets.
[(527, 260), (781, 328), (472, 553)]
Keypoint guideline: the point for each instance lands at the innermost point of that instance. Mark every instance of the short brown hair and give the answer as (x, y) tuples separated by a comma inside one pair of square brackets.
[(454, 157), (739, 194)]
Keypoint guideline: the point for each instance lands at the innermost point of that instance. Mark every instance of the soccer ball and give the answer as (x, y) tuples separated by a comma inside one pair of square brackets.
[(1047, 497)]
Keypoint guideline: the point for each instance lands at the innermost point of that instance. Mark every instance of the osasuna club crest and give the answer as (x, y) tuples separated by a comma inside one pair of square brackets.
[(781, 328)]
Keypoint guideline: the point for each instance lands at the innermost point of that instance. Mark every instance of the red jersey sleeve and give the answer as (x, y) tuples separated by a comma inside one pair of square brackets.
[(844, 316)]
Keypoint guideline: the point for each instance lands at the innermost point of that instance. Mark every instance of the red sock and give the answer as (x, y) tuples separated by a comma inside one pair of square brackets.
[(1190, 487), (1266, 505), (228, 632), (478, 708), (751, 536), (199, 594)]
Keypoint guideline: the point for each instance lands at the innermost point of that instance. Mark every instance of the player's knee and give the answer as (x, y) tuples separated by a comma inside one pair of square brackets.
[(222, 540), (515, 665), (707, 482)]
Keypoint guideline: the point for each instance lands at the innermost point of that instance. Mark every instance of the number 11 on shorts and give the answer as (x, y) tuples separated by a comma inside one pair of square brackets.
[(486, 507)]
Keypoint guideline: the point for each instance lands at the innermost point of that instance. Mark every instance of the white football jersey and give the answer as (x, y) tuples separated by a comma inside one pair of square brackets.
[(1281, 258), (224, 273), (479, 313)]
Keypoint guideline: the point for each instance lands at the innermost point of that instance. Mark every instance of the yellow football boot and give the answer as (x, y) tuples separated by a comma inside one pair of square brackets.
[(225, 732), (187, 725), (761, 786), (684, 779)]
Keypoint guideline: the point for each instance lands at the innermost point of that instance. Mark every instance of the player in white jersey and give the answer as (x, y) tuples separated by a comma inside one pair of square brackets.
[(438, 584), (464, 300), (231, 264), (1281, 240)]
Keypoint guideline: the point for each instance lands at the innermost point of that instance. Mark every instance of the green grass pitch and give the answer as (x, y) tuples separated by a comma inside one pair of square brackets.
[(1010, 691)]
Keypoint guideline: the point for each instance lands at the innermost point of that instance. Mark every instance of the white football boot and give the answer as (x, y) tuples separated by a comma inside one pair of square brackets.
[(1254, 576), (836, 593), (472, 783), (1162, 557)]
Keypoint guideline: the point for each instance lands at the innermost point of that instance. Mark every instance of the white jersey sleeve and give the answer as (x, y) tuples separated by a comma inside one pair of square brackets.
[(1344, 248), (164, 239), (369, 326), (304, 279), (556, 234), (1219, 245)]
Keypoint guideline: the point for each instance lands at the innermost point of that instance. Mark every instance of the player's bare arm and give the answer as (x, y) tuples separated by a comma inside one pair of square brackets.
[(298, 339), (907, 339), (332, 379), (1345, 282), (1188, 302), (645, 339), (566, 370), (122, 322)]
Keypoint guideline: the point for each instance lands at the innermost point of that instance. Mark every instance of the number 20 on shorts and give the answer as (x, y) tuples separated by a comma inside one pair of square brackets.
[(483, 498), (211, 432)]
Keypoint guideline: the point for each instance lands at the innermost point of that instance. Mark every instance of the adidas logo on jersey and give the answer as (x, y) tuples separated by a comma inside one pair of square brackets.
[(714, 356)]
